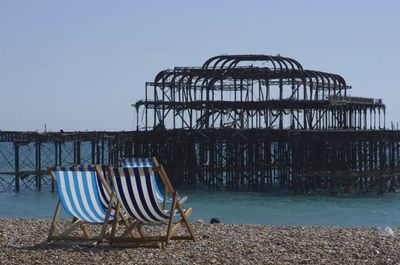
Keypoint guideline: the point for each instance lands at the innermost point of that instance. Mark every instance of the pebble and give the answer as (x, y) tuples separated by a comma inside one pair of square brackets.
[(23, 241)]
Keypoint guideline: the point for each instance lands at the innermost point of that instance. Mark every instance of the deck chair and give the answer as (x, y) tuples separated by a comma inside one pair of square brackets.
[(87, 198), (148, 162), (136, 191)]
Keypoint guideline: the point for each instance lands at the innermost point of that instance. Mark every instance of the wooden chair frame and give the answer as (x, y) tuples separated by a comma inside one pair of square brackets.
[(172, 227), (65, 237)]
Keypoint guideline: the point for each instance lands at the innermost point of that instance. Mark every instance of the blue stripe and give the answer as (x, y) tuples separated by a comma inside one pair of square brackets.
[(121, 192), (137, 162), (146, 162), (94, 187), (131, 193), (60, 194), (80, 199), (69, 194), (86, 168), (160, 195), (99, 186), (141, 194), (151, 194), (102, 192), (62, 173)]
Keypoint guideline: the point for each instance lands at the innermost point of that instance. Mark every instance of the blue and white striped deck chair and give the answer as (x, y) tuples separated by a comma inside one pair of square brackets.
[(148, 162), (135, 188), (83, 195)]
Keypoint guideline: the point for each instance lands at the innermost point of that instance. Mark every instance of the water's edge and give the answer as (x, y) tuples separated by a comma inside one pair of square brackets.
[(247, 208)]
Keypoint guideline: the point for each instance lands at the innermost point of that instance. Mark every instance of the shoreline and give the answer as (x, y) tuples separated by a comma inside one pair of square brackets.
[(23, 241)]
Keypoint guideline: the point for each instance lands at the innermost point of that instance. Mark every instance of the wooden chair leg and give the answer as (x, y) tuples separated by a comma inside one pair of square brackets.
[(54, 220), (163, 174), (72, 227), (85, 231), (185, 221), (140, 229), (171, 218), (116, 220), (134, 224), (107, 217)]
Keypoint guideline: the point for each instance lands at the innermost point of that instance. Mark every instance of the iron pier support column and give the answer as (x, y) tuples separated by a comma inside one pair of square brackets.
[(38, 148), (16, 153)]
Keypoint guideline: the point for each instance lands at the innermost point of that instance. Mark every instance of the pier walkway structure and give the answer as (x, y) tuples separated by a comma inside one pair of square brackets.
[(238, 122)]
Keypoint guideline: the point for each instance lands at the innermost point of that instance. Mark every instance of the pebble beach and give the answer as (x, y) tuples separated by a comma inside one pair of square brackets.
[(23, 241)]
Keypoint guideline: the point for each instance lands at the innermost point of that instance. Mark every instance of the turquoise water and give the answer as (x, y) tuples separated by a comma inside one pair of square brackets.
[(247, 207)]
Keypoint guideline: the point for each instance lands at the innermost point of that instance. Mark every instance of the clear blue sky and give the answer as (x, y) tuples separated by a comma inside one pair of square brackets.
[(79, 65)]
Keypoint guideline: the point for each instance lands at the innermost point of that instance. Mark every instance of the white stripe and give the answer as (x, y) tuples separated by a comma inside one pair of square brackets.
[(104, 200), (126, 193), (64, 193), (160, 197), (152, 181), (84, 197), (100, 187), (136, 191), (147, 198), (75, 198), (93, 198)]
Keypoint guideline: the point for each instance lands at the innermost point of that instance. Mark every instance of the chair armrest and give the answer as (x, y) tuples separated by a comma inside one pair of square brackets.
[(183, 199)]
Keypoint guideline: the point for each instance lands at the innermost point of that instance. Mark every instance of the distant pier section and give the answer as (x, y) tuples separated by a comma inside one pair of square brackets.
[(238, 122)]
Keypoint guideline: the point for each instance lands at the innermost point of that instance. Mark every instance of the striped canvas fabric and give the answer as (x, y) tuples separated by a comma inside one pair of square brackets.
[(80, 192), (104, 196), (137, 162), (136, 190), (144, 162)]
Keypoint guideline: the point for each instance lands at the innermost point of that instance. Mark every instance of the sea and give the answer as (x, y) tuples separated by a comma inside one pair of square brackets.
[(271, 208), (363, 210)]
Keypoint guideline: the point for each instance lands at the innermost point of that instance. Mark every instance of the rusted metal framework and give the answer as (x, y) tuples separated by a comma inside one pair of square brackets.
[(260, 121), (255, 91), (24, 156), (239, 122)]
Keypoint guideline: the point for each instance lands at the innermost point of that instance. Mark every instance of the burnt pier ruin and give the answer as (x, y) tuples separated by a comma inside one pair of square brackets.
[(238, 122)]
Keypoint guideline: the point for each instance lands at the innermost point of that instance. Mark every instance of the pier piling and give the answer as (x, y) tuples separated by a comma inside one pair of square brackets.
[(238, 122)]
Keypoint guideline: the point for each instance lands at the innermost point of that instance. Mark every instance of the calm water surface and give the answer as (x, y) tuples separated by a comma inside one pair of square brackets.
[(246, 207)]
